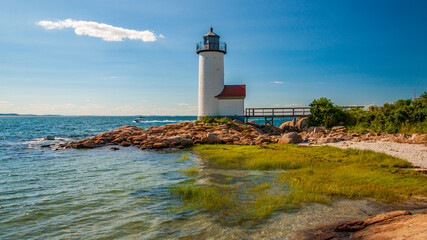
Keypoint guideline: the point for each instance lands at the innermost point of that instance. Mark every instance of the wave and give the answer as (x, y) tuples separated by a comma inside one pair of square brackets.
[(45, 142)]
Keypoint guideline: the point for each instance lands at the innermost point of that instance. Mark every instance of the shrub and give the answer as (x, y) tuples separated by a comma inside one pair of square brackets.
[(323, 112), (402, 116), (213, 120)]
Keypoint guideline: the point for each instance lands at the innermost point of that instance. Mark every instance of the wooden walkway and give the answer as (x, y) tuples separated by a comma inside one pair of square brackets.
[(270, 113)]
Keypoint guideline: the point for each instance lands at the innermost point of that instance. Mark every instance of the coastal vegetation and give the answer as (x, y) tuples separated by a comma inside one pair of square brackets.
[(299, 175), (214, 121), (403, 116), (191, 171), (185, 157)]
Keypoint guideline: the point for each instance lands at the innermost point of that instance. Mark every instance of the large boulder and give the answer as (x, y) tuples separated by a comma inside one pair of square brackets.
[(297, 123), (287, 124), (211, 139), (291, 137), (301, 123)]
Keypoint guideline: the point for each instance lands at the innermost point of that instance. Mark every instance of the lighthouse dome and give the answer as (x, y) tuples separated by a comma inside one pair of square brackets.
[(211, 33)]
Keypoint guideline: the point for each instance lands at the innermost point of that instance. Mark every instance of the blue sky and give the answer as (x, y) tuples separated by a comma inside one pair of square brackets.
[(286, 52)]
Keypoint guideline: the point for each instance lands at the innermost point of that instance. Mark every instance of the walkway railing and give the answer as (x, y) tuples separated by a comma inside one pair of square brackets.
[(277, 112), (270, 113)]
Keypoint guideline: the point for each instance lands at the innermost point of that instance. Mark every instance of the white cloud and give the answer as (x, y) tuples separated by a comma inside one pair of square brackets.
[(101, 30), (183, 104), (278, 82), (4, 101)]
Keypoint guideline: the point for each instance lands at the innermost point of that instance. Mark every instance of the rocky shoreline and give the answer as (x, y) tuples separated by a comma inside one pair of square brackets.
[(181, 135), (391, 225)]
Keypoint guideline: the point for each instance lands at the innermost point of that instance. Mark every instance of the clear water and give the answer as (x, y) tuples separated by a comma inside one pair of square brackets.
[(102, 194)]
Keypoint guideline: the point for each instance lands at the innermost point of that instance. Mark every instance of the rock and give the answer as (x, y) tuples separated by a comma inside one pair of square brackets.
[(253, 123), (347, 137), (287, 124), (173, 139), (125, 144), (297, 123), (160, 145), (186, 142), (258, 130), (271, 129), (339, 129), (154, 130), (49, 138), (319, 130), (211, 139), (292, 137), (237, 121), (310, 129), (327, 140), (392, 225), (114, 148), (301, 123), (288, 129)]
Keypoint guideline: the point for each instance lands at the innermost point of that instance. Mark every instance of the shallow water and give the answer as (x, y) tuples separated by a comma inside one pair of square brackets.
[(102, 194)]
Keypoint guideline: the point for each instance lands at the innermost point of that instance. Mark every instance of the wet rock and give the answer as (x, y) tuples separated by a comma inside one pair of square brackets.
[(186, 142), (292, 137), (114, 148), (49, 138)]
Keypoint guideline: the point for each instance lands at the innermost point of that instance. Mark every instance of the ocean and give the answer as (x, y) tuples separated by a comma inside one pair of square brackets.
[(103, 194)]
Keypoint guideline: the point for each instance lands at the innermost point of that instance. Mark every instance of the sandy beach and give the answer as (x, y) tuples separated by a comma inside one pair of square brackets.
[(413, 153)]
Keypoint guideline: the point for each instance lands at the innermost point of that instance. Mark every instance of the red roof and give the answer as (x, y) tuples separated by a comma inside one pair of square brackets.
[(233, 91)]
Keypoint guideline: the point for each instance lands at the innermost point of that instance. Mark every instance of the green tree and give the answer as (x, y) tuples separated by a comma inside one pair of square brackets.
[(323, 112)]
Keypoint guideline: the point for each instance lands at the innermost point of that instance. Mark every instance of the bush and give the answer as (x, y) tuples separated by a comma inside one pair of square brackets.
[(323, 112), (402, 116), (214, 121)]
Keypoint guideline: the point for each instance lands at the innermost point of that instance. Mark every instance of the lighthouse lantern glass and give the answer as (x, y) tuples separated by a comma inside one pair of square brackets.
[(211, 42)]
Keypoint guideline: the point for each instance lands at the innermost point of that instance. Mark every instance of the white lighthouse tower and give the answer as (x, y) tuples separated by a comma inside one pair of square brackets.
[(215, 98)]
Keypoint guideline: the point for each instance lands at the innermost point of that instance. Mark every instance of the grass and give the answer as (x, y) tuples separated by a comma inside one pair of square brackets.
[(228, 200), (209, 198), (326, 170), (314, 175), (191, 171), (184, 157)]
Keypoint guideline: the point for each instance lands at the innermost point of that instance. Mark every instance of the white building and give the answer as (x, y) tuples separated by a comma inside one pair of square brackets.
[(215, 98)]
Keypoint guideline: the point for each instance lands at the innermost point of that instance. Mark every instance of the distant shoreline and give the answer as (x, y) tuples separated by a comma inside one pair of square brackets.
[(57, 115)]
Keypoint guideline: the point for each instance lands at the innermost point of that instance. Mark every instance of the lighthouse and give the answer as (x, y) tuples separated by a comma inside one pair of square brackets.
[(215, 98)]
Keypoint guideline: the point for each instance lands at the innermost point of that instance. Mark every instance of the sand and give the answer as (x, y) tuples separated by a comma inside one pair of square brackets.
[(413, 153)]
